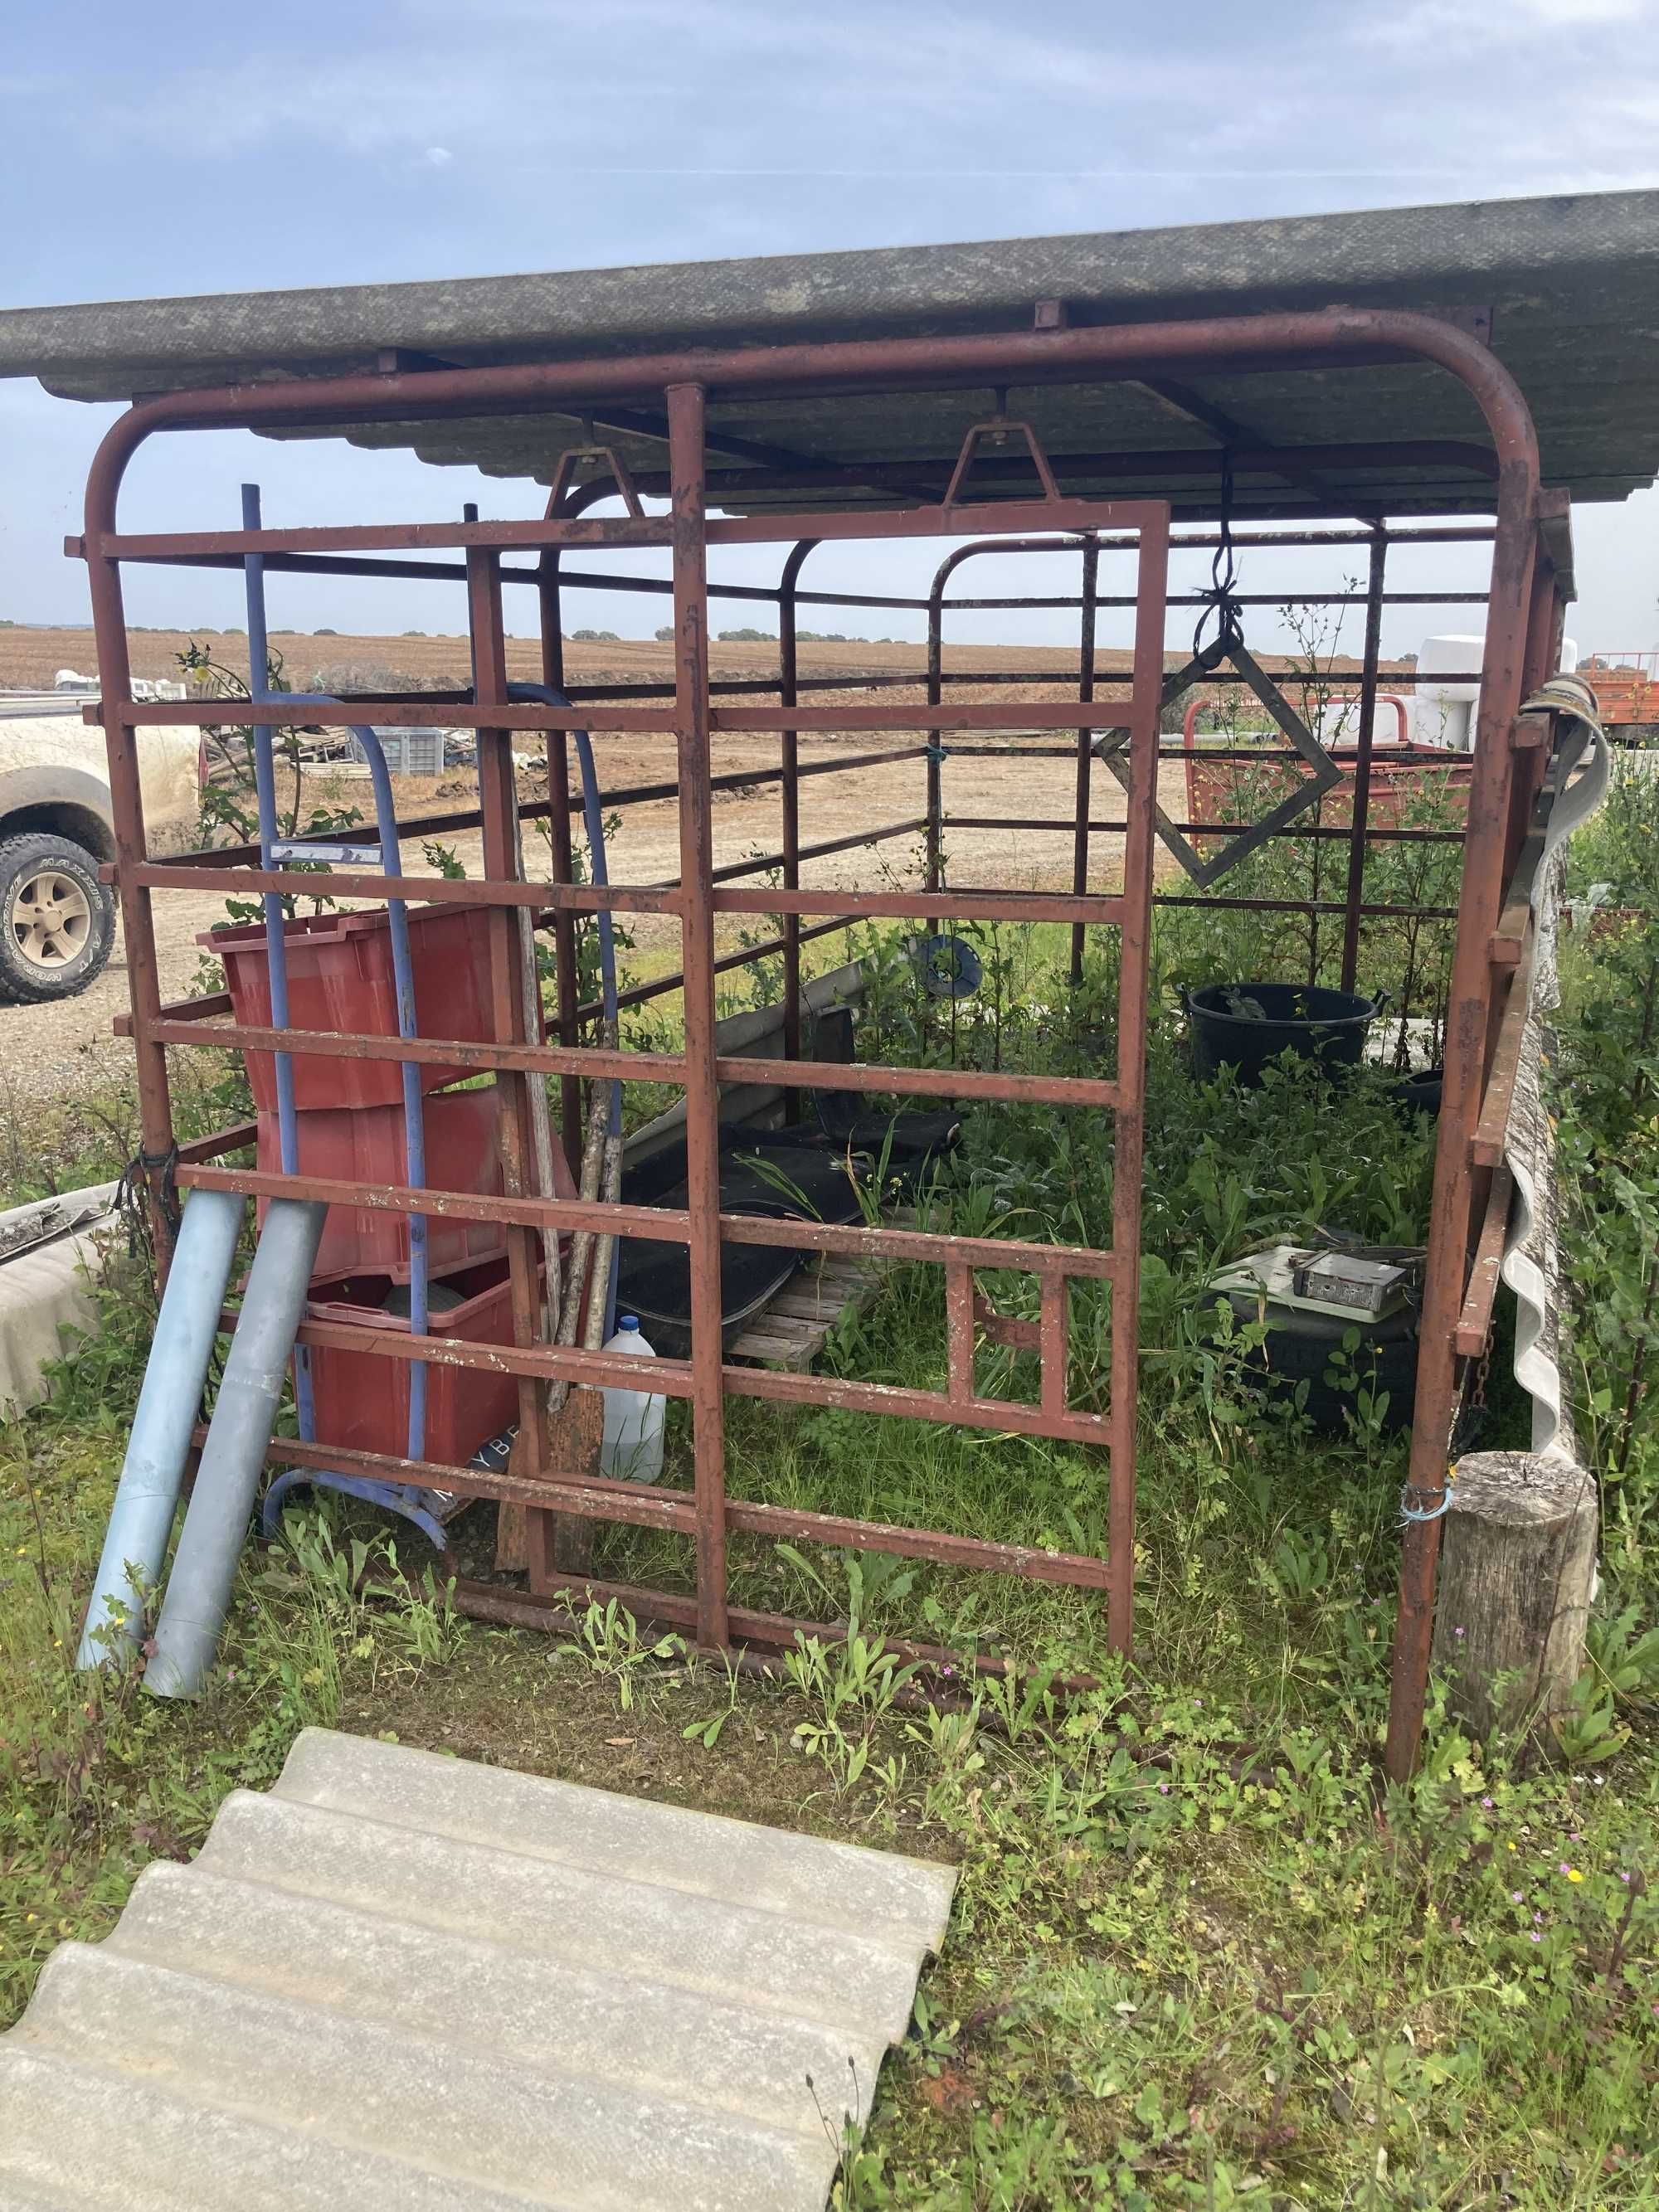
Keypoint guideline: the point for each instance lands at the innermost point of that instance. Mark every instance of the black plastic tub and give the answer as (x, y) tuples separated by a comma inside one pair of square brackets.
[(654, 1281), (1315, 1024), (1420, 1094)]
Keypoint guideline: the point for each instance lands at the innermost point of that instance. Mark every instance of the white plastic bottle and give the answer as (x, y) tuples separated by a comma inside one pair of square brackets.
[(632, 1449)]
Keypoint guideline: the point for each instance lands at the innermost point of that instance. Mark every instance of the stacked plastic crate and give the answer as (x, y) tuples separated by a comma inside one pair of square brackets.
[(351, 1126)]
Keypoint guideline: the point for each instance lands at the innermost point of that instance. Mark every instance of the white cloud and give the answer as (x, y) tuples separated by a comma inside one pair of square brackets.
[(437, 157), (1434, 27)]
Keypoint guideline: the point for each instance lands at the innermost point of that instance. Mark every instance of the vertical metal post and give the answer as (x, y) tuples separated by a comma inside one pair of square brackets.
[(686, 466), (1481, 892), (1085, 690), (788, 696), (497, 800), (1354, 897), (562, 867), (1147, 698), (109, 625), (934, 808)]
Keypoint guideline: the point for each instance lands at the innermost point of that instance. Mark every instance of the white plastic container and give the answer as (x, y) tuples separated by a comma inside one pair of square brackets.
[(632, 1448)]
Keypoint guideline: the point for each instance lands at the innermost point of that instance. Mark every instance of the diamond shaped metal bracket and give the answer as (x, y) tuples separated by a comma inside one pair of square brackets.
[(1109, 748)]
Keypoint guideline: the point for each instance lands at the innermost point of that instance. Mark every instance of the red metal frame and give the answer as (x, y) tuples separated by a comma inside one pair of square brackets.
[(1523, 617)]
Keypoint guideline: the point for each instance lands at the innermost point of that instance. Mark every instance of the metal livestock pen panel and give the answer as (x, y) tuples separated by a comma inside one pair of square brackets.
[(1523, 619)]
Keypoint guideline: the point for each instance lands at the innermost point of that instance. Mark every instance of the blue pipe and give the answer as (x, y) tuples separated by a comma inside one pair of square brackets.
[(403, 974), (234, 1457), (599, 869), (140, 1519), (265, 785)]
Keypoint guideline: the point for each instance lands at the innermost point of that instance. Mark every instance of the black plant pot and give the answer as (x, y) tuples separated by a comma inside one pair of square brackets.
[(1326, 1026)]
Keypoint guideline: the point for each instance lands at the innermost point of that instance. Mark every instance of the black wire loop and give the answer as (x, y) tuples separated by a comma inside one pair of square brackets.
[(1220, 604)]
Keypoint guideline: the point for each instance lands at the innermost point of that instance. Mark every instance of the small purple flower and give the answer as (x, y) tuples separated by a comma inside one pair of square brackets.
[(1565, 1869), (1624, 1878), (1538, 1917), (1164, 1791), (1457, 1631), (1536, 1938), (1516, 1897), (1486, 1802)]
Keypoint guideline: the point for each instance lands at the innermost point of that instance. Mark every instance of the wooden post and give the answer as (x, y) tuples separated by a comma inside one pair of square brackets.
[(1517, 1570)]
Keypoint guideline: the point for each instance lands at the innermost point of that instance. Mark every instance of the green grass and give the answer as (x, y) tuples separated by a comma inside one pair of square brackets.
[(1202, 1953)]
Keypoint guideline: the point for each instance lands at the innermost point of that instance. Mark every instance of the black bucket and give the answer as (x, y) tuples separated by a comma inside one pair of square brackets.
[(1315, 1024), (1420, 1094)]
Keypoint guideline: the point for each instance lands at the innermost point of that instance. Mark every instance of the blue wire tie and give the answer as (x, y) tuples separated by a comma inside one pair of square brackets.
[(1417, 1513)]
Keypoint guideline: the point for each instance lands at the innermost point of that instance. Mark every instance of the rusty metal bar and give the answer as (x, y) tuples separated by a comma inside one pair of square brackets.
[(1475, 1323), (735, 869), (594, 579), (1053, 1326), (767, 950), (789, 692), (1481, 895), (530, 1362), (155, 1129), (621, 530), (535, 810), (692, 718), (1129, 1146), (935, 692), (646, 1505), (562, 860), (221, 1141), (1305, 906), (1362, 775), (480, 1058), (922, 906), (959, 1332), (436, 891), (923, 1082), (667, 1225), (1085, 692), (1002, 1416), (498, 801), (1056, 823)]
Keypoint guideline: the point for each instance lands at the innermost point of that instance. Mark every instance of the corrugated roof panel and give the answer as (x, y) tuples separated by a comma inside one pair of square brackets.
[(404, 1980), (1569, 284)]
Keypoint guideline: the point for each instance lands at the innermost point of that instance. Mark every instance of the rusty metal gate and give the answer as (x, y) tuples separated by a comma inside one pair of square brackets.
[(1524, 618)]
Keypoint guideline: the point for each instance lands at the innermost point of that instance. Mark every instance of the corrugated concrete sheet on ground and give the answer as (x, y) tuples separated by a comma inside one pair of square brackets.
[(402, 1980)]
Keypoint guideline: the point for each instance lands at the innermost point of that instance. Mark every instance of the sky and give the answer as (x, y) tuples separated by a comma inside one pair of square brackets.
[(183, 148)]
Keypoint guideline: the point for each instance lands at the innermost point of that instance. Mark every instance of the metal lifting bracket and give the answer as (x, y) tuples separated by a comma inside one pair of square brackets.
[(998, 429), (563, 477)]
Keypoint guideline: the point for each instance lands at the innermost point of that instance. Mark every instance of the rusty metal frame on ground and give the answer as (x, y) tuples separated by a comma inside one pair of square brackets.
[(1522, 631)]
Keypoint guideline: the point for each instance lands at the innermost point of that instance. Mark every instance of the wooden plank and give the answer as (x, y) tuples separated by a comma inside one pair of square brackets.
[(792, 1329)]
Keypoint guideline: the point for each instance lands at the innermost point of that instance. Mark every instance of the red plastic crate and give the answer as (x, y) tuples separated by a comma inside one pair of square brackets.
[(339, 979), (365, 1144), (361, 1400)]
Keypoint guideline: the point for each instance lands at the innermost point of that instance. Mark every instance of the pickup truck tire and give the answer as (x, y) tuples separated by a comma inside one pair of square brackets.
[(57, 919)]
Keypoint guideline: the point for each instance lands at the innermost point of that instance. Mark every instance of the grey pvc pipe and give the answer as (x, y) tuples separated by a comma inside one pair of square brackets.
[(244, 1416), (146, 1496)]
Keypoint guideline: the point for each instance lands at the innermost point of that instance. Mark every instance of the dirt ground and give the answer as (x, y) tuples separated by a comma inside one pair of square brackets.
[(54, 1045)]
